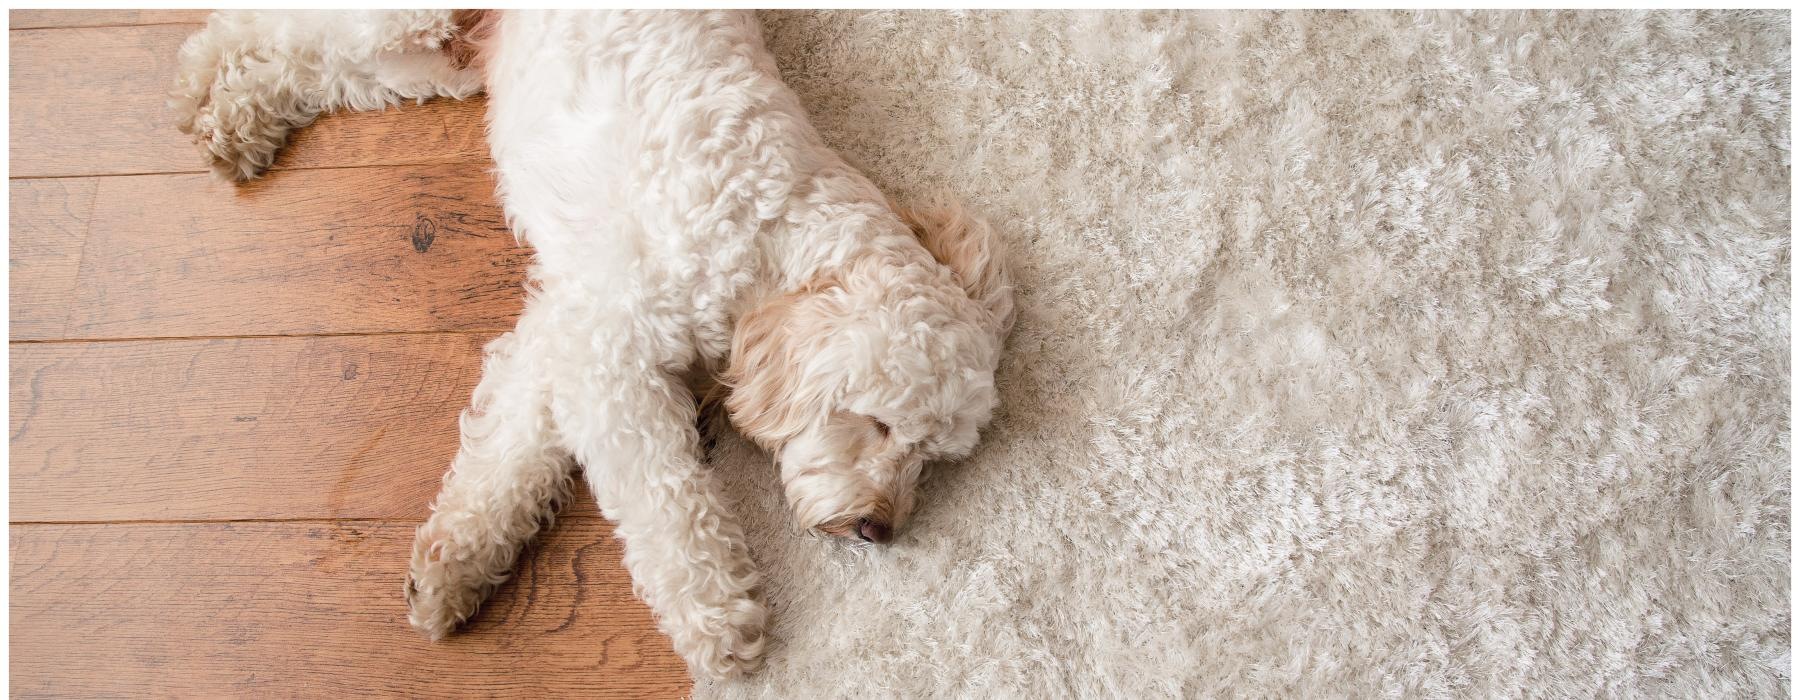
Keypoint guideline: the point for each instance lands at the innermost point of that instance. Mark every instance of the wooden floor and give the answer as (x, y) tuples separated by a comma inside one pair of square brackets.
[(230, 406)]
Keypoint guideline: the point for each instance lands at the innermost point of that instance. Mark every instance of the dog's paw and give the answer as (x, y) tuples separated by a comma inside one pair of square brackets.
[(726, 640), (431, 610), (236, 109), (444, 586), (240, 151)]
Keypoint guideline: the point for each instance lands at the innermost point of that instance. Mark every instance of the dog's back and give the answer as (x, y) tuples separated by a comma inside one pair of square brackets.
[(653, 139)]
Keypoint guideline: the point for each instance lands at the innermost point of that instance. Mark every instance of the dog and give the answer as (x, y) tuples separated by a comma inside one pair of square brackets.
[(688, 222)]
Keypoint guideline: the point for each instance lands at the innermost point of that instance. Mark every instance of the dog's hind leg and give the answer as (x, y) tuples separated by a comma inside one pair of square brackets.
[(505, 483), (250, 77), (631, 424)]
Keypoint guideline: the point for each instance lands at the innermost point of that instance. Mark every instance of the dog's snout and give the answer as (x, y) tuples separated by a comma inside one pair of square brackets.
[(874, 531)]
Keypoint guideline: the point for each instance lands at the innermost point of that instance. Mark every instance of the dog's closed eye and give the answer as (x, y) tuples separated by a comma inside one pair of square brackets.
[(881, 427)]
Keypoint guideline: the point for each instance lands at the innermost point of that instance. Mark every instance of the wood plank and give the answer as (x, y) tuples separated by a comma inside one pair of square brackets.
[(48, 223), (315, 610), (366, 250), (93, 101), (267, 428), (44, 19), (439, 131)]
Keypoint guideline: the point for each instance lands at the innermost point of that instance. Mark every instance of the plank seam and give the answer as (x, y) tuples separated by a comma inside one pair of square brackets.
[(224, 521), (364, 166), (87, 234), (69, 341), (275, 521), (52, 28)]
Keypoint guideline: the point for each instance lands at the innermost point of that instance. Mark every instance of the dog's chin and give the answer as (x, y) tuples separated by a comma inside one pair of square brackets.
[(873, 526), (842, 526), (861, 531)]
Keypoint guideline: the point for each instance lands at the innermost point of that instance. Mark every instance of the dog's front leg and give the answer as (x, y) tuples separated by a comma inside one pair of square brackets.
[(633, 429), (502, 488)]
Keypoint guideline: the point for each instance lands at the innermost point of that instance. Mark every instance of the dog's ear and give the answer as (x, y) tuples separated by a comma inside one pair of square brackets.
[(968, 246), (765, 377), (472, 37)]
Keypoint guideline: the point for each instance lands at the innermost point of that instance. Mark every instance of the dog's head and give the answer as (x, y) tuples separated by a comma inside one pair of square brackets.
[(858, 380)]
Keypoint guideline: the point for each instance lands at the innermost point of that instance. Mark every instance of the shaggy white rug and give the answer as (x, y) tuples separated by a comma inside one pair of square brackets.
[(1359, 354)]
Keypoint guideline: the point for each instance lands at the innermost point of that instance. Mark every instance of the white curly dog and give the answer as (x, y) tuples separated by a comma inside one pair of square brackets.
[(688, 223)]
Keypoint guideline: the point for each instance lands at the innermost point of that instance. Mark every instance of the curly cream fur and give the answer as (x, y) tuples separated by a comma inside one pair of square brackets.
[(250, 77), (685, 215)]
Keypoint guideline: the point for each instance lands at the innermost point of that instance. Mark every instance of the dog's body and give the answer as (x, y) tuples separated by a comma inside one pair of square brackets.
[(685, 216)]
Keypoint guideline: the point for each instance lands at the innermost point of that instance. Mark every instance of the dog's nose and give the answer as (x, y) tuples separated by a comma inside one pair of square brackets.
[(874, 531)]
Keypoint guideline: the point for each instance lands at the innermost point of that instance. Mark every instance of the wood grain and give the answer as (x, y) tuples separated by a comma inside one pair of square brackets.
[(438, 131), (92, 101), (48, 223), (44, 19), (272, 428), (231, 516), (315, 610), (366, 250)]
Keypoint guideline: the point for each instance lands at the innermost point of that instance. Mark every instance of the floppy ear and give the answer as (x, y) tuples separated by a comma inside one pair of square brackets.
[(764, 376), (967, 246), (472, 38)]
